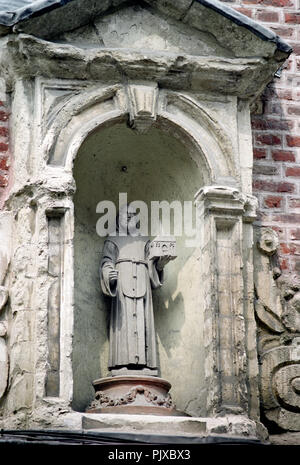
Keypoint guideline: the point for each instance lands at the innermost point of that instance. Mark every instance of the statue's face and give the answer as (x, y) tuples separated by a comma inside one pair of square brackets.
[(125, 216)]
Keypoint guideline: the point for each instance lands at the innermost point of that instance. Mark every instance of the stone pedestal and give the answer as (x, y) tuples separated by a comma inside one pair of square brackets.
[(134, 395)]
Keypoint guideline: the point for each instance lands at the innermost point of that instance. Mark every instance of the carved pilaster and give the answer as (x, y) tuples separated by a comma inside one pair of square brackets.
[(277, 308), (221, 212)]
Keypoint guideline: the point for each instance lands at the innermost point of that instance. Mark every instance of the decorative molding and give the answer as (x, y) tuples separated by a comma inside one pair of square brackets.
[(223, 201), (103, 400)]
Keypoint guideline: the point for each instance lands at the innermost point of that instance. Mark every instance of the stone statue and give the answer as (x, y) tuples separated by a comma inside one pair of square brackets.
[(128, 275)]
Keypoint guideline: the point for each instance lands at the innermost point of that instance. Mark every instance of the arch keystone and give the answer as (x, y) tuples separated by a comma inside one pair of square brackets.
[(142, 104)]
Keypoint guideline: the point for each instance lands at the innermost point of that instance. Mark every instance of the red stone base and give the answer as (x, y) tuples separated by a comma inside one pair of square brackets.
[(133, 395)]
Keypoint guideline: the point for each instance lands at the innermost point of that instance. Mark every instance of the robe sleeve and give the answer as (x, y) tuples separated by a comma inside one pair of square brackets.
[(156, 276), (107, 264)]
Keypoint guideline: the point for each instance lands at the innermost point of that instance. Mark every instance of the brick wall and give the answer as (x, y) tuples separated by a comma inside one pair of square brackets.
[(276, 133)]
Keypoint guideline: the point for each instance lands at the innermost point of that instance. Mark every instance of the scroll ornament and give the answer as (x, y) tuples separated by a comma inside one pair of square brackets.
[(279, 348)]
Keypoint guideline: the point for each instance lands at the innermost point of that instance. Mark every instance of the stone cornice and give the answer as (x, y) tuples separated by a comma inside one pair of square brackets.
[(25, 56)]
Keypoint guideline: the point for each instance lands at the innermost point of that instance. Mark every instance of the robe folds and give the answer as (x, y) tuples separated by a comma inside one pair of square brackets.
[(132, 333)]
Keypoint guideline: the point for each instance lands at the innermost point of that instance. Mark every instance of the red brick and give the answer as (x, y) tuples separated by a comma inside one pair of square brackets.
[(268, 16), (292, 18), (294, 203), (3, 116), (282, 94), (295, 234), (264, 124), (267, 139), (3, 147), (272, 186), (266, 170), (259, 153), (278, 3), (291, 218), (293, 110), (280, 231), (293, 141), (245, 11), (274, 108), (3, 131), (293, 171), (273, 202), (287, 249), (283, 264), (286, 32), (3, 181), (296, 48), (283, 155), (4, 164)]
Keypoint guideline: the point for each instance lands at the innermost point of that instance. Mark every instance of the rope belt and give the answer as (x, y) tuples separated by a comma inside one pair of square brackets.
[(132, 260)]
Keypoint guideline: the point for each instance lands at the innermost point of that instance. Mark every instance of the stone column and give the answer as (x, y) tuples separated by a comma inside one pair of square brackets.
[(221, 211)]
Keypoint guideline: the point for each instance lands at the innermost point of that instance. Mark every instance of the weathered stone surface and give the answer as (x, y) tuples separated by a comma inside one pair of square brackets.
[(176, 9), (138, 28), (3, 366), (244, 75), (221, 212), (241, 41), (278, 338), (285, 439), (3, 296), (5, 247)]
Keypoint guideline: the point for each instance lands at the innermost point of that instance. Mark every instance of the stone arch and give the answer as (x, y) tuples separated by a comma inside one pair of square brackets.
[(208, 142)]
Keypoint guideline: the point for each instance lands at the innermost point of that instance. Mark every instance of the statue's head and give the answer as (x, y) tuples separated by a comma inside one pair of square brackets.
[(125, 218)]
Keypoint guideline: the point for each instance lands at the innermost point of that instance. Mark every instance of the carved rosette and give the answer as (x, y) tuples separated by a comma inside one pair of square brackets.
[(268, 241)]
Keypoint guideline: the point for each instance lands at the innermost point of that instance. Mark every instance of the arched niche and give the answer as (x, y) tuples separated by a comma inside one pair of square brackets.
[(178, 113), (160, 165)]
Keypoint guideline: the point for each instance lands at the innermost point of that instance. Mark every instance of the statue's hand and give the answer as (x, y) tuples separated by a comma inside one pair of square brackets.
[(162, 261), (113, 276)]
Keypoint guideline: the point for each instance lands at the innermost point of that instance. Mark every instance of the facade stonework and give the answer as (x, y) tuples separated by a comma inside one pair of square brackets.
[(275, 126)]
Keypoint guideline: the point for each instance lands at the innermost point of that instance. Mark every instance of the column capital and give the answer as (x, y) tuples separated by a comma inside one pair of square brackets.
[(226, 201)]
